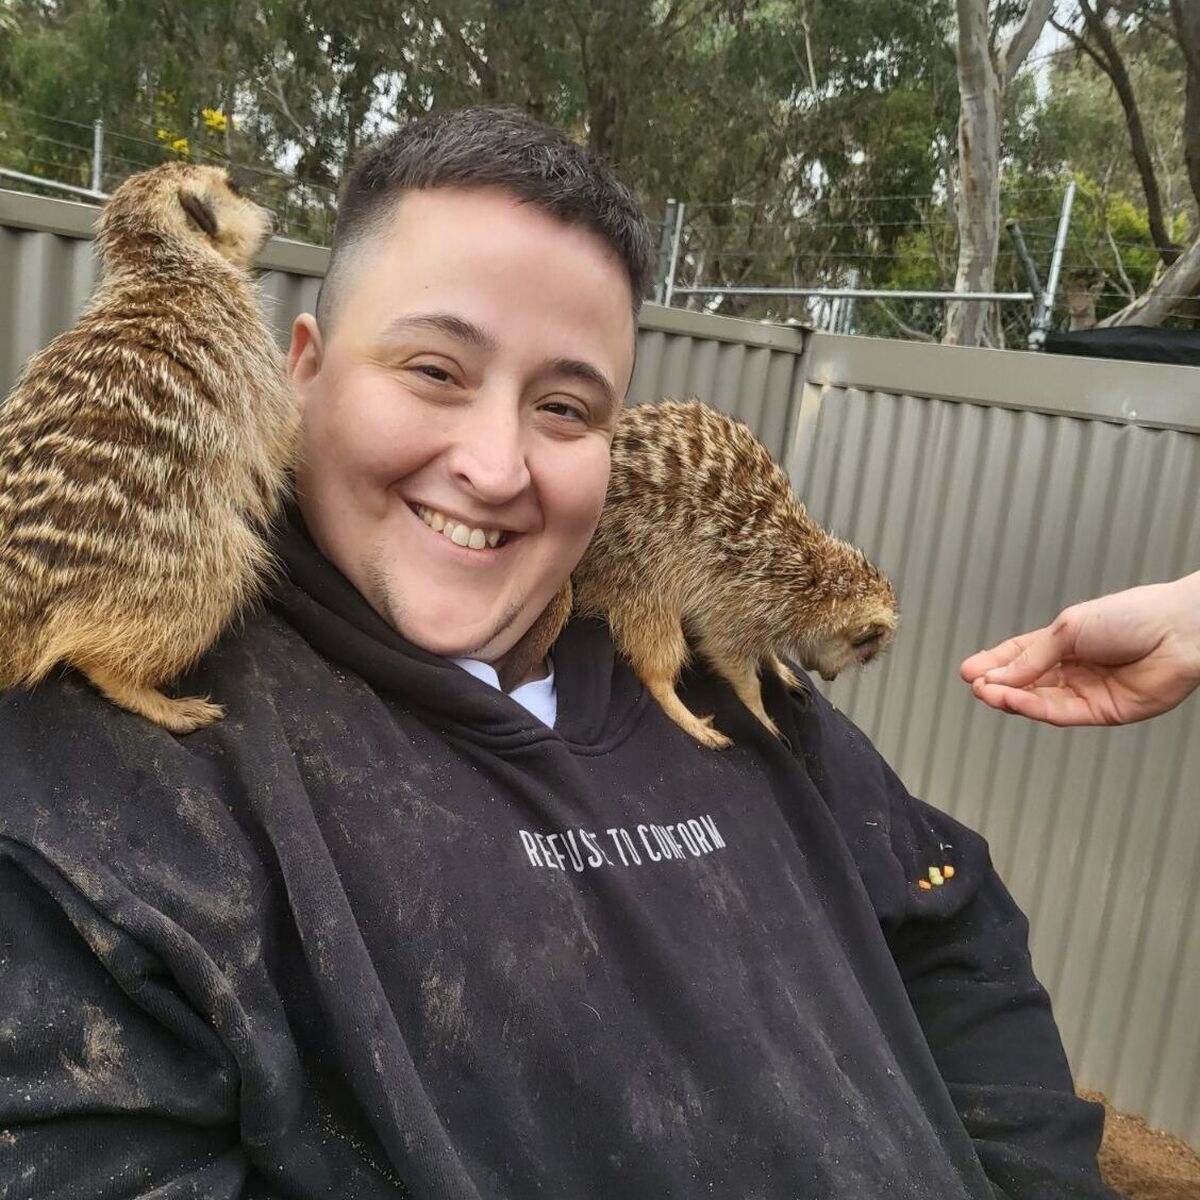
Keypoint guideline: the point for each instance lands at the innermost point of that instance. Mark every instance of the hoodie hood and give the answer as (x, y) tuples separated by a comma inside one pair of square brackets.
[(599, 698)]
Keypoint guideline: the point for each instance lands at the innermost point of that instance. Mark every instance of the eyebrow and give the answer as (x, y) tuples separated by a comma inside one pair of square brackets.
[(576, 368), (456, 327)]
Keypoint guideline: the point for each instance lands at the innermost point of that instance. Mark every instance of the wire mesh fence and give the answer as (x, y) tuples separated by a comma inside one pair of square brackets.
[(50, 152), (897, 242)]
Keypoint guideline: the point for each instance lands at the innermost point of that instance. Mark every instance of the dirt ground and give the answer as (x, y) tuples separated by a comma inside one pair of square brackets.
[(1143, 1164)]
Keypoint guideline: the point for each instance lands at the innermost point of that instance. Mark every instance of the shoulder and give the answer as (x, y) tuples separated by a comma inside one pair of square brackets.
[(90, 786), (894, 837)]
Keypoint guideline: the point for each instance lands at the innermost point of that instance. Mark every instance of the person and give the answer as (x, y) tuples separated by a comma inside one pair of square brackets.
[(1111, 661), (389, 929)]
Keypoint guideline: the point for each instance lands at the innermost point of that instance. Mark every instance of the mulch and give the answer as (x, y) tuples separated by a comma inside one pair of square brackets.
[(1143, 1164)]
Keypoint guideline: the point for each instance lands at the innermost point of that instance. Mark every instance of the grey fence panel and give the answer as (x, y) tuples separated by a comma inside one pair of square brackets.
[(285, 297), (747, 370), (44, 280), (990, 516)]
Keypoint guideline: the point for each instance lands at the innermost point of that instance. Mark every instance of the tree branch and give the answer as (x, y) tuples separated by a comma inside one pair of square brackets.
[(488, 83), (1138, 9), (1187, 33), (275, 94), (1113, 66), (1179, 282), (1126, 283), (1081, 44), (916, 334), (1017, 48), (812, 73)]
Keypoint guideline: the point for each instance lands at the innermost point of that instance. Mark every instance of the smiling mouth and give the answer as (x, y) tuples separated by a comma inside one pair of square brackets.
[(470, 537)]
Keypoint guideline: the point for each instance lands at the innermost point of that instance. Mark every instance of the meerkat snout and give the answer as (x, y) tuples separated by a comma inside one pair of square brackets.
[(845, 619), (849, 647)]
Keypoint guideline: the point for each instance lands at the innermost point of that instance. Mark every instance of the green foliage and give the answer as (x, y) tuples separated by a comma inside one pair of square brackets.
[(813, 141)]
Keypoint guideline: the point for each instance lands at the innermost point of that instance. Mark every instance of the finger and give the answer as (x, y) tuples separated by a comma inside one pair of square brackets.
[(1043, 650), (998, 656), (1051, 706)]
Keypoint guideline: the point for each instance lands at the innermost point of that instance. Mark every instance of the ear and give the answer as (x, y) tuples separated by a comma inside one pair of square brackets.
[(200, 211), (304, 354)]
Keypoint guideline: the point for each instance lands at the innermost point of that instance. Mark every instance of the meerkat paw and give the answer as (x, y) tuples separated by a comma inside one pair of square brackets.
[(707, 734), (769, 724), (787, 676), (184, 715), (187, 714)]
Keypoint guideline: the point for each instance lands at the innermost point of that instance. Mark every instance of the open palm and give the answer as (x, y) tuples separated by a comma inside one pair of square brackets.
[(1111, 661)]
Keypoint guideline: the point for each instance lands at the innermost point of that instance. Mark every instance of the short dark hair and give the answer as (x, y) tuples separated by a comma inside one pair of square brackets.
[(492, 147)]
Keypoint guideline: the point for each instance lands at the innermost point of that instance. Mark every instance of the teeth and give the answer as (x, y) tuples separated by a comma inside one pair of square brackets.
[(460, 535)]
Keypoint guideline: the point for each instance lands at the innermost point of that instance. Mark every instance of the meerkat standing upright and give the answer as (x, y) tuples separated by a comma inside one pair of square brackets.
[(702, 532), (143, 452)]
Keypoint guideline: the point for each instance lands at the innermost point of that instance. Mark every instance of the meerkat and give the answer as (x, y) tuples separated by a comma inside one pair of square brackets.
[(702, 536), (143, 452)]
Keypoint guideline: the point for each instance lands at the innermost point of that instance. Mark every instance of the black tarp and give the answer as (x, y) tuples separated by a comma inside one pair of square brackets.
[(1133, 342)]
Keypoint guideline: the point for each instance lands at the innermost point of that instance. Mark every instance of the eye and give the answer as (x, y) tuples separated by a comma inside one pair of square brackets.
[(565, 408), (437, 374), (870, 639)]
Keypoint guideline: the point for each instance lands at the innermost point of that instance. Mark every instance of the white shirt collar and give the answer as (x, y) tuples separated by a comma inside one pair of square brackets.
[(539, 696)]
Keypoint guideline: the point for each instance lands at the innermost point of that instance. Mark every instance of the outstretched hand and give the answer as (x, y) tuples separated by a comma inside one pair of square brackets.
[(1111, 661)]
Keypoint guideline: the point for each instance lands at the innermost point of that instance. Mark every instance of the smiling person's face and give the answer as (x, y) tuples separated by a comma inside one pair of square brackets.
[(459, 412)]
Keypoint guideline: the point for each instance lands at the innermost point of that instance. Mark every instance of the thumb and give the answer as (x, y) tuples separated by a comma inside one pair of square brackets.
[(1046, 650)]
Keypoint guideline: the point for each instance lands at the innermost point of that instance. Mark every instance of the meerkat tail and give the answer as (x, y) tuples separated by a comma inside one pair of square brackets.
[(184, 715)]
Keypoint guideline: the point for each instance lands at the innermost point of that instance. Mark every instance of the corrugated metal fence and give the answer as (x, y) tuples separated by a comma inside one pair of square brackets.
[(994, 488)]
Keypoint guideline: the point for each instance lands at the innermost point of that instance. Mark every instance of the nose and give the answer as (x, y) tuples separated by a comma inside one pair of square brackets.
[(488, 458)]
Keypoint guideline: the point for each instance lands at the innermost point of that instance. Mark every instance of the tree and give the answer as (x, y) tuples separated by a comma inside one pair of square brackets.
[(1110, 29), (1097, 40), (986, 68)]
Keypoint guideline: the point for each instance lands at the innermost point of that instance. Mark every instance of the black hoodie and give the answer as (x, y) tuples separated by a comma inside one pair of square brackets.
[(382, 933)]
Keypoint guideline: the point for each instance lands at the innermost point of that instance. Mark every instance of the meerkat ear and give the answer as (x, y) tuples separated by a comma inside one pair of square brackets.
[(200, 211)]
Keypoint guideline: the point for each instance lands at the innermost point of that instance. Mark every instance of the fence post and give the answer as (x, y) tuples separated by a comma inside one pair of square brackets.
[(98, 155), (1044, 311), (664, 251), (673, 266)]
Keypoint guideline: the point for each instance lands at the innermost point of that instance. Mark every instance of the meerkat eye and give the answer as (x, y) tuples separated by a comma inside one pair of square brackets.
[(200, 211)]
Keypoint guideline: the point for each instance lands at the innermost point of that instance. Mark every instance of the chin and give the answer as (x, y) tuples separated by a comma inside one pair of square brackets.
[(486, 639)]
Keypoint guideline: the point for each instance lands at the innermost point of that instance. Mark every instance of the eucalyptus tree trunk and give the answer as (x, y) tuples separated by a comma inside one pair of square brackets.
[(984, 73)]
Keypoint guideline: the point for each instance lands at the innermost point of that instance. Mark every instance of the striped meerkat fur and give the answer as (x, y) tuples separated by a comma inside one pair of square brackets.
[(701, 532), (143, 452)]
